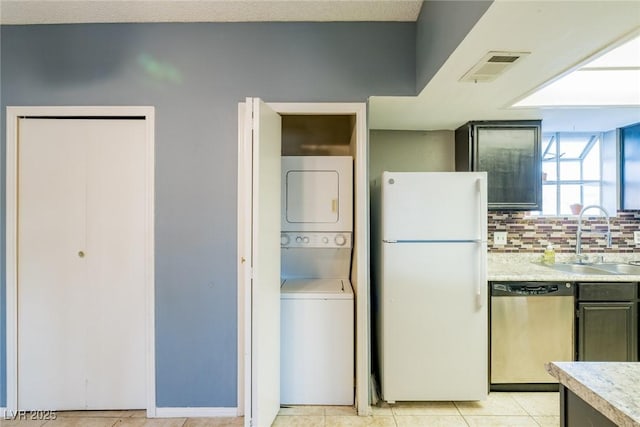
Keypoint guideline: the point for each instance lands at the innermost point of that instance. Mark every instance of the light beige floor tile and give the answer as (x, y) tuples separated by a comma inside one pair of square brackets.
[(95, 414), (82, 422), (495, 404), (138, 414), (17, 422), (381, 410), (340, 410), (374, 421), (301, 410), (215, 422), (547, 421), (430, 421), (547, 403), (499, 421), (299, 421), (150, 422), (425, 408)]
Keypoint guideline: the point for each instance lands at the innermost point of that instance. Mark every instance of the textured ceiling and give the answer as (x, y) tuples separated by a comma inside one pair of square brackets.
[(77, 11)]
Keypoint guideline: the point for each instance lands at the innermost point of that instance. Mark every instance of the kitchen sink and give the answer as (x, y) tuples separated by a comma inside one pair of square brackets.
[(619, 268), (579, 269), (599, 269)]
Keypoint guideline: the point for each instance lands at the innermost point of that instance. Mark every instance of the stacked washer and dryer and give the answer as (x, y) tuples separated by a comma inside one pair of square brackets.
[(317, 301)]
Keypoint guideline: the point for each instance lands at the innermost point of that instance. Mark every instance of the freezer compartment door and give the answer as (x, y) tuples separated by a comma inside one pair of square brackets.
[(434, 206), (434, 333)]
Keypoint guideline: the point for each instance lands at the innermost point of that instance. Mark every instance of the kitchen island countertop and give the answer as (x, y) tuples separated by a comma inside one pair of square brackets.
[(612, 388), (527, 267)]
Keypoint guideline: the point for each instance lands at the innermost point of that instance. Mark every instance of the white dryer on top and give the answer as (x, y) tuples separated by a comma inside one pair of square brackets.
[(317, 193)]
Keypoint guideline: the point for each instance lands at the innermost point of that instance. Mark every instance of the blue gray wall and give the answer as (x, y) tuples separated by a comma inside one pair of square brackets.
[(441, 26), (195, 74)]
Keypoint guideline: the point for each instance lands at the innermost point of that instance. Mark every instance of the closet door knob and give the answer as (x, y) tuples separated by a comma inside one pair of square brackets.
[(81, 254)]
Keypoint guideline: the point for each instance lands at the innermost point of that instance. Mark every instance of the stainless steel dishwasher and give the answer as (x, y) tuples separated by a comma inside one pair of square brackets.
[(532, 323)]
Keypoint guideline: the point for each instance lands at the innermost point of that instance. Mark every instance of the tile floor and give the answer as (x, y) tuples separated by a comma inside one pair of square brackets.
[(499, 410)]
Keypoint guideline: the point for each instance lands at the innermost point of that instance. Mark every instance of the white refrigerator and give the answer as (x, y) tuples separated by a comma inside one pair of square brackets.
[(430, 285)]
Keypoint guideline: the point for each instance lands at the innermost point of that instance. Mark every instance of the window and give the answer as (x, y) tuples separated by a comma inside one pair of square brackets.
[(571, 172)]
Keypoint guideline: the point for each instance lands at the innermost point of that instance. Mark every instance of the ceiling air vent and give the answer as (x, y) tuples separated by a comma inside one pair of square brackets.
[(491, 66)]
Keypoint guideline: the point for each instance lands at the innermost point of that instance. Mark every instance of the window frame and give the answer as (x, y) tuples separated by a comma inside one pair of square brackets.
[(555, 138)]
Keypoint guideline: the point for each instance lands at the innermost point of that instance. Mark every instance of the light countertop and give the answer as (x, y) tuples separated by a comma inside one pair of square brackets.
[(527, 267), (609, 387)]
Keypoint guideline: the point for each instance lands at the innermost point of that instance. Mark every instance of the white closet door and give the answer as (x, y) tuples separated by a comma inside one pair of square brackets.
[(81, 299), (115, 260), (52, 291), (264, 127)]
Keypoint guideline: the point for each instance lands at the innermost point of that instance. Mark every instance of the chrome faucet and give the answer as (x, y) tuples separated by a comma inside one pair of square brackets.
[(579, 255)]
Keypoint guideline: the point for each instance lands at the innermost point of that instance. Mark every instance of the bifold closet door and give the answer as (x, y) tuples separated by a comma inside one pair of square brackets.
[(81, 298)]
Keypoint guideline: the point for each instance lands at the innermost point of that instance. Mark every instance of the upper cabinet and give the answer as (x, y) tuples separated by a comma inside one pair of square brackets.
[(630, 167), (509, 151)]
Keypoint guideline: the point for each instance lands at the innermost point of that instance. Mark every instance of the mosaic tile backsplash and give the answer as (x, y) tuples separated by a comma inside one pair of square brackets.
[(533, 234)]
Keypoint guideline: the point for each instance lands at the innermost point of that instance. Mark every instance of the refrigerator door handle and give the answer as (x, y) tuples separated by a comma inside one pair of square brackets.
[(482, 210), (482, 206), (482, 277)]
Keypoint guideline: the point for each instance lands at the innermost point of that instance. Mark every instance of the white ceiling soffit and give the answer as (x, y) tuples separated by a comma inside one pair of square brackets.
[(102, 11), (560, 36)]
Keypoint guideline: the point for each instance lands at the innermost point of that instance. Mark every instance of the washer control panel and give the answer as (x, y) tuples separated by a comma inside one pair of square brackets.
[(292, 239)]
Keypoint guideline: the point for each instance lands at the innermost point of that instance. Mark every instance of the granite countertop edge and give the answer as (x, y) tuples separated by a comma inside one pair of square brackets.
[(613, 410), (527, 267)]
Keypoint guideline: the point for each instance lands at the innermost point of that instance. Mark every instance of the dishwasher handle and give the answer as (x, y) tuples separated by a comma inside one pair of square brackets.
[(532, 289)]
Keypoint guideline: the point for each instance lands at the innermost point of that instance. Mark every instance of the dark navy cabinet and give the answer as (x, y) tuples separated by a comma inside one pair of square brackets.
[(509, 151), (630, 167), (607, 322)]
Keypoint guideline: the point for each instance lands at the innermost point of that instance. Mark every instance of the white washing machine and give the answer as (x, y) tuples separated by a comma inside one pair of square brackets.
[(317, 193), (317, 302), (317, 342)]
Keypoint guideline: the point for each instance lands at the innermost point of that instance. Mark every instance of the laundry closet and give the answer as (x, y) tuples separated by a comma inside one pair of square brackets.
[(317, 300), (303, 257)]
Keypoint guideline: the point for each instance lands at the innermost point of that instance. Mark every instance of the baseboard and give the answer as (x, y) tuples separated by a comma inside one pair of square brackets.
[(196, 412)]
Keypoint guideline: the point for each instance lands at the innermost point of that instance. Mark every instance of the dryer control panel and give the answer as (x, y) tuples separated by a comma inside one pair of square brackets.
[(294, 239)]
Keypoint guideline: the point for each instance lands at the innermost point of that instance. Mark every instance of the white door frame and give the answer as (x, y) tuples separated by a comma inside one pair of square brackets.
[(361, 246), (13, 115)]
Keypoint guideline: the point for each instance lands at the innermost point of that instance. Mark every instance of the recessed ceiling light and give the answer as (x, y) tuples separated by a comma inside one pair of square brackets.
[(611, 79)]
